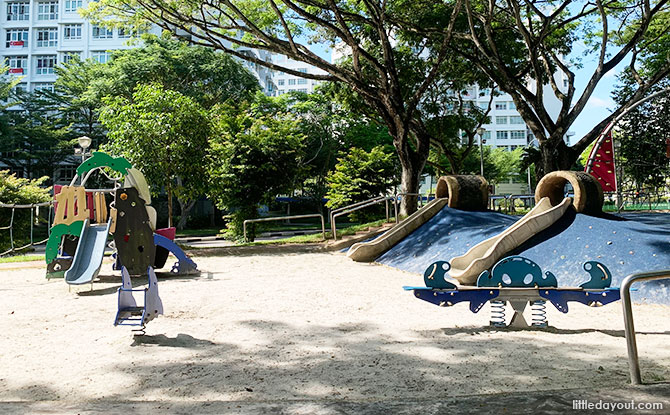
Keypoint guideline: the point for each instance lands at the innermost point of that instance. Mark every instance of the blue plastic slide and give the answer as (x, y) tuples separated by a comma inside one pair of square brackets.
[(88, 257), (184, 264)]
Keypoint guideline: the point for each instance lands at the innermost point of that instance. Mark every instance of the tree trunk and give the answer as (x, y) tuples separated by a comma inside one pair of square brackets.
[(185, 207), (409, 183), (169, 202), (555, 155)]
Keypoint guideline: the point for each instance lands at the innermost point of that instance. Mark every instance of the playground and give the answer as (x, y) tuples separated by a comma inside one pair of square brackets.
[(305, 327), (300, 331)]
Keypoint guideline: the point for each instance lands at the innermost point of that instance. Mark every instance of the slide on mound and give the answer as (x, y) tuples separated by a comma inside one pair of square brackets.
[(466, 268), (88, 257), (462, 192), (368, 251)]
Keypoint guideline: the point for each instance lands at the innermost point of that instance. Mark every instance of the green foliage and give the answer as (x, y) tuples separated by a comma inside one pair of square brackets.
[(19, 191), (361, 175), (255, 154), (197, 72), (164, 134), (33, 138)]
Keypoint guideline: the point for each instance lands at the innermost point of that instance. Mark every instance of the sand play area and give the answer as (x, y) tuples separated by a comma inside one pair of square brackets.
[(300, 330)]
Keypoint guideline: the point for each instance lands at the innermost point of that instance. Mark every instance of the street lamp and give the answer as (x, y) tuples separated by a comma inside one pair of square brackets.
[(84, 143), (480, 132), (530, 144)]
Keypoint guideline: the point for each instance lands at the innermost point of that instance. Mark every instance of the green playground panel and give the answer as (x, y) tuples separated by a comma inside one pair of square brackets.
[(57, 232), (101, 159)]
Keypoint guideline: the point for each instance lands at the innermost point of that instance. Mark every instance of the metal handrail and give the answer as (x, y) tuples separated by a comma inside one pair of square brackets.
[(629, 327), (311, 215), (332, 212), (375, 201)]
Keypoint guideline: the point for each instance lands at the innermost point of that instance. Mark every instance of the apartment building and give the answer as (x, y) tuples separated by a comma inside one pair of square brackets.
[(284, 82), (38, 35)]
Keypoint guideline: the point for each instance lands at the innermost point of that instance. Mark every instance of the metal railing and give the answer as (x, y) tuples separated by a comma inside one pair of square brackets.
[(10, 227), (631, 343), (311, 215), (360, 205)]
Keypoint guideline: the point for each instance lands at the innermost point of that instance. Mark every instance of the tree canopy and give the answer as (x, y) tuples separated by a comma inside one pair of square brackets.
[(526, 47)]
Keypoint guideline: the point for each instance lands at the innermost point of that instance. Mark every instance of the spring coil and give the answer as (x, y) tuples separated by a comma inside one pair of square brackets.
[(498, 314), (539, 313)]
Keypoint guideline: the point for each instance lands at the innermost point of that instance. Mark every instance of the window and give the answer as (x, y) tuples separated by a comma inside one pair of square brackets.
[(66, 173), (101, 56), (515, 119), (47, 38), (302, 90), (486, 136), (72, 5), (21, 88), (518, 135), (124, 34), (291, 81), (100, 32), (17, 64), (68, 56), (565, 83), (501, 120), (302, 81), (45, 65), (303, 70), (71, 32), (501, 105), (280, 82), (18, 11), (281, 92), (47, 10), (43, 86), (501, 135), (17, 38), (511, 106)]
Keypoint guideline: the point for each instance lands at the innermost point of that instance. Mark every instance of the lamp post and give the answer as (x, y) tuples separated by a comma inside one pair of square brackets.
[(530, 187), (480, 132), (84, 143)]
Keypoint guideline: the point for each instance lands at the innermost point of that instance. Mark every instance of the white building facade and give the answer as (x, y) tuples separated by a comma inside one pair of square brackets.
[(284, 83), (38, 35)]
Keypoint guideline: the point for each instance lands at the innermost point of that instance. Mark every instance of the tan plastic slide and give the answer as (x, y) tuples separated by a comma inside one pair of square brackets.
[(368, 251), (466, 268)]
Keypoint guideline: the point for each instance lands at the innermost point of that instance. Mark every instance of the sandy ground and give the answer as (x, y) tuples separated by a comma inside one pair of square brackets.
[(294, 327)]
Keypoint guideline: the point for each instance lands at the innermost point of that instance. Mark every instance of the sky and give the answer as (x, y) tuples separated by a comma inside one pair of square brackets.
[(601, 104)]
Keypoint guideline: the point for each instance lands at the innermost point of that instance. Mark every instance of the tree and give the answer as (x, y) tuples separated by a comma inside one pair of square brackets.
[(34, 139), (527, 49), (197, 72), (361, 175), (389, 71), (255, 155), (165, 134)]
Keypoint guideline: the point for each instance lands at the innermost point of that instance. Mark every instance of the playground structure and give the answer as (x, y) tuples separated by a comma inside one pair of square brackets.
[(490, 253), (520, 282), (83, 222)]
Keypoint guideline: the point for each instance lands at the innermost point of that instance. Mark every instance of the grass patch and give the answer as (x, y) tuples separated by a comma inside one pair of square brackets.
[(317, 237), (21, 258)]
